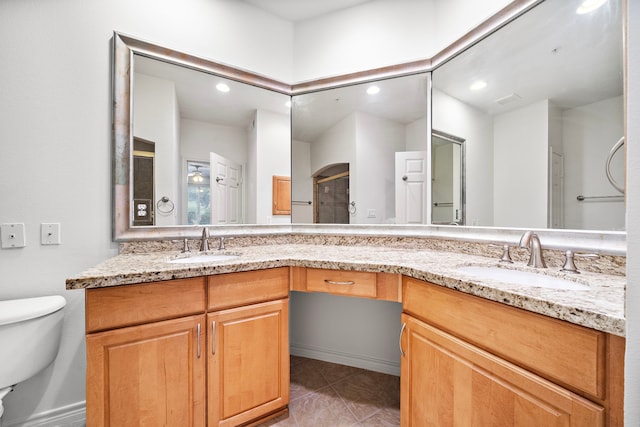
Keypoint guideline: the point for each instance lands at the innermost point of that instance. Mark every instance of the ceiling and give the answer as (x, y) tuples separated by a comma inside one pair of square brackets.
[(199, 100), (300, 10), (549, 53)]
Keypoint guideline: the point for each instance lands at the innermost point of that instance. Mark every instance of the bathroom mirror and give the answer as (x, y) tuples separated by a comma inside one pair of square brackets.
[(540, 105), (197, 142), (349, 147)]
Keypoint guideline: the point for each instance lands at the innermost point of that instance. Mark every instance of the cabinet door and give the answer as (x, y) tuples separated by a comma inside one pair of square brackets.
[(148, 375), (248, 371), (447, 382)]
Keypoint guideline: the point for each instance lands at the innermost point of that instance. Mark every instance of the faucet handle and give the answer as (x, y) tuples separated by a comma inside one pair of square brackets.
[(222, 240), (506, 254), (569, 264)]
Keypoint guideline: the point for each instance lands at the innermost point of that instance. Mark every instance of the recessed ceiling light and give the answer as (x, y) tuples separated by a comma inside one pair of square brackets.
[(589, 6), (478, 85), (372, 90), (222, 87)]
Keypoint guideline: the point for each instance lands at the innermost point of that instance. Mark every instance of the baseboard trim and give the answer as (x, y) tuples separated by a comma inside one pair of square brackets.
[(73, 415), (349, 359)]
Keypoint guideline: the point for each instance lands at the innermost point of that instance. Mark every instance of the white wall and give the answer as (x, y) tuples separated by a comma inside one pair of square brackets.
[(198, 139), (589, 132), (155, 119), (456, 17), (521, 141), (416, 138), (373, 185), (381, 33), (55, 118), (274, 158), (375, 34), (302, 186), (352, 331), (336, 145)]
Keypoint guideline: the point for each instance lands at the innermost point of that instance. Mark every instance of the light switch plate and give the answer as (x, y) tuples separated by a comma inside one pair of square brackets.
[(12, 235), (50, 234)]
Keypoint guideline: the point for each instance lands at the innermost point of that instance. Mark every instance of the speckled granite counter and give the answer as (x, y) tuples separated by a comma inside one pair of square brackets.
[(601, 307)]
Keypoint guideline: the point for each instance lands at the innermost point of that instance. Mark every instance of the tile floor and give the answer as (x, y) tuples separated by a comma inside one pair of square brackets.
[(329, 395)]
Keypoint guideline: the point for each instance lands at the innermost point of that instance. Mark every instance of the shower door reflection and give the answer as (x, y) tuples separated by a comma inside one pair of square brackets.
[(332, 195), (447, 179)]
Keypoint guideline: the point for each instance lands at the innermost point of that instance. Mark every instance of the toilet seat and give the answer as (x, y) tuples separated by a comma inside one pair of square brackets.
[(18, 310)]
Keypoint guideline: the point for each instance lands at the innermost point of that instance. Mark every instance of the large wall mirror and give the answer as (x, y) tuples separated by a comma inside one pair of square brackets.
[(353, 146), (540, 105), (202, 141), (527, 150)]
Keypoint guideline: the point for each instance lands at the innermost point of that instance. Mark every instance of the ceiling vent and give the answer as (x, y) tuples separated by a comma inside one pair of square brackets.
[(508, 99)]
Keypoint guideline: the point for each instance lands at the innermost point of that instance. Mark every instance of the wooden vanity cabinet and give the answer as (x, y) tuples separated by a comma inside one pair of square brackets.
[(248, 352), (469, 361), (204, 351), (146, 355)]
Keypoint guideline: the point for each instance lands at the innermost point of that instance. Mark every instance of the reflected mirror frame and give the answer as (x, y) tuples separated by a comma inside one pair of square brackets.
[(124, 47)]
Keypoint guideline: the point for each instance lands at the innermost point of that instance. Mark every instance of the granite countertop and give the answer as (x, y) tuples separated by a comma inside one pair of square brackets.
[(600, 307)]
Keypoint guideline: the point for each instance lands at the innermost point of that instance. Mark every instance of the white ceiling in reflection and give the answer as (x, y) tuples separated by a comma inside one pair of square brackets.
[(199, 100), (550, 53)]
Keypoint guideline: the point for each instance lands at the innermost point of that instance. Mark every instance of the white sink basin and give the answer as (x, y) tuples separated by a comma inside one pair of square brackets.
[(518, 277), (203, 258)]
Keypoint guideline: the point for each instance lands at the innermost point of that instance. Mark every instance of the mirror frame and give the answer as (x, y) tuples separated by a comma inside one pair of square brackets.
[(124, 46)]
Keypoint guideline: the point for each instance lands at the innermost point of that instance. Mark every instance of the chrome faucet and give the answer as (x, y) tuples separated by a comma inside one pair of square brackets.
[(531, 241), (204, 243)]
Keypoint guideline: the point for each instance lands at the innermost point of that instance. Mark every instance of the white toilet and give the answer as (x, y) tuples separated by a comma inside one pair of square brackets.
[(30, 331)]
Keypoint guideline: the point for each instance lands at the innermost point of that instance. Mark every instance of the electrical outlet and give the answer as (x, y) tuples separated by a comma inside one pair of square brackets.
[(50, 233), (12, 235), (371, 213)]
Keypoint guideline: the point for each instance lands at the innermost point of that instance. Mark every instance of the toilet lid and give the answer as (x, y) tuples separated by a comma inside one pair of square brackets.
[(18, 310)]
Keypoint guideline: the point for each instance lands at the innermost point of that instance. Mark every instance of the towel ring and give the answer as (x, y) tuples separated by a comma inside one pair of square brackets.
[(352, 208), (165, 205), (607, 168)]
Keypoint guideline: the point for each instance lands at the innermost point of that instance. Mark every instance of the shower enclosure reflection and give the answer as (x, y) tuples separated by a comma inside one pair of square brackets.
[(447, 179)]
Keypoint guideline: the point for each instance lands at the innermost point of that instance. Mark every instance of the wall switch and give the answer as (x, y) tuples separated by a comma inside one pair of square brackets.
[(50, 233), (12, 235)]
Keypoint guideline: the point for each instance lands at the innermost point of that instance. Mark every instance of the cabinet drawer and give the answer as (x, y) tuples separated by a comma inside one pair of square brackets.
[(339, 282), (127, 305), (237, 289), (567, 354)]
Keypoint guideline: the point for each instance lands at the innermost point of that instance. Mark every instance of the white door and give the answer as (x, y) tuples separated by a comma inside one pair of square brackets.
[(411, 187), (226, 190)]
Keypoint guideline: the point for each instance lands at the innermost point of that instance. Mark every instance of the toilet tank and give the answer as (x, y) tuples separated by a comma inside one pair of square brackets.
[(30, 331)]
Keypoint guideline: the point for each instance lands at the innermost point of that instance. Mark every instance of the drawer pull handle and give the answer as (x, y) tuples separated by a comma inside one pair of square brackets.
[(198, 340), (334, 282), (404, 326), (213, 337)]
